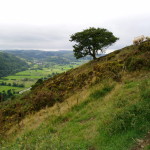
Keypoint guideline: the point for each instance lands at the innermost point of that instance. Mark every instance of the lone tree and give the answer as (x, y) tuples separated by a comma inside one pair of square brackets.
[(92, 40)]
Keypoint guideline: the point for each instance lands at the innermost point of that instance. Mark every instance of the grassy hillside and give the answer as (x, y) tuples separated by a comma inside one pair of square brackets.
[(10, 64), (102, 105)]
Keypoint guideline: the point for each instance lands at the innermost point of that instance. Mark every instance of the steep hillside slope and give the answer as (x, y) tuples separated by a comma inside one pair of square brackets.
[(108, 116), (103, 104), (10, 64)]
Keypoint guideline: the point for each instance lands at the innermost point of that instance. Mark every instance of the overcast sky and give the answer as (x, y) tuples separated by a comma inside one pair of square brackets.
[(48, 24)]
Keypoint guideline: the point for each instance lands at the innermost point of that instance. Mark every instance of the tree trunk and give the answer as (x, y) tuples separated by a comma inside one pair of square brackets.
[(94, 55)]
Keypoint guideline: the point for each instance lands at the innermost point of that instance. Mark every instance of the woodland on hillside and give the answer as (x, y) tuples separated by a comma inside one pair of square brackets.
[(10, 64)]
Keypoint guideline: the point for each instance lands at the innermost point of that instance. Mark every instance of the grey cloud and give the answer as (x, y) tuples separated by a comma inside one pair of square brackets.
[(57, 37), (33, 38)]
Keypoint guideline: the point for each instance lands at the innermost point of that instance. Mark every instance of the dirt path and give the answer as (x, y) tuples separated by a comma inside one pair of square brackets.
[(25, 90)]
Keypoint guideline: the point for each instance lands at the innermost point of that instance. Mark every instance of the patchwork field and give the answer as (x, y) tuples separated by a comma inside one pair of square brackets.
[(29, 77)]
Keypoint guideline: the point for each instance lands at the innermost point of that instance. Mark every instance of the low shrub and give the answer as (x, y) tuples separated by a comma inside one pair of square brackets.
[(109, 70), (134, 63), (144, 46)]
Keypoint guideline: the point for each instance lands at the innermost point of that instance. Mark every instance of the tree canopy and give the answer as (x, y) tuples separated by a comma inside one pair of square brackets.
[(92, 40)]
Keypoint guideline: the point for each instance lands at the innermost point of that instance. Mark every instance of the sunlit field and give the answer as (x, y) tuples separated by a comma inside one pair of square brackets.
[(29, 77)]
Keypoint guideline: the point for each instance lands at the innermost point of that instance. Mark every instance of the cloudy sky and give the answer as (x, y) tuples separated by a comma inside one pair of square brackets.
[(48, 24)]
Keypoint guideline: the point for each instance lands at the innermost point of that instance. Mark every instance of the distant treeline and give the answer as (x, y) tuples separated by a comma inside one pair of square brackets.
[(12, 84), (4, 95)]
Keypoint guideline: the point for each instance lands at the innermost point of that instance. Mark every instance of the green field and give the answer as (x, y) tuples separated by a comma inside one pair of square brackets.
[(29, 77), (5, 88)]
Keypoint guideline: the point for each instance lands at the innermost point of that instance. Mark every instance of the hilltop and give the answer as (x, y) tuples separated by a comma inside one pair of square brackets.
[(103, 104)]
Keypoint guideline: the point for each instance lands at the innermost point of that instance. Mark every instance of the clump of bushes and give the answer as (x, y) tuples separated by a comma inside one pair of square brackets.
[(41, 100), (139, 58), (134, 63), (39, 82), (109, 69), (144, 47)]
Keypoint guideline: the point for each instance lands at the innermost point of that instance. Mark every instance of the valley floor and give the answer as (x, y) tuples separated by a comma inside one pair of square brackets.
[(24, 80)]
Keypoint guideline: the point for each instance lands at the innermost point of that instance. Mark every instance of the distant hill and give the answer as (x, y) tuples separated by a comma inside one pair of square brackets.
[(58, 57), (10, 64)]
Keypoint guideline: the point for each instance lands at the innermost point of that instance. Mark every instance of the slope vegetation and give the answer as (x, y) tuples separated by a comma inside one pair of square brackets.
[(102, 105)]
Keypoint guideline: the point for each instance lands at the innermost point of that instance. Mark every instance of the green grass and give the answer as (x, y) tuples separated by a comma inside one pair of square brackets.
[(147, 147), (109, 119)]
